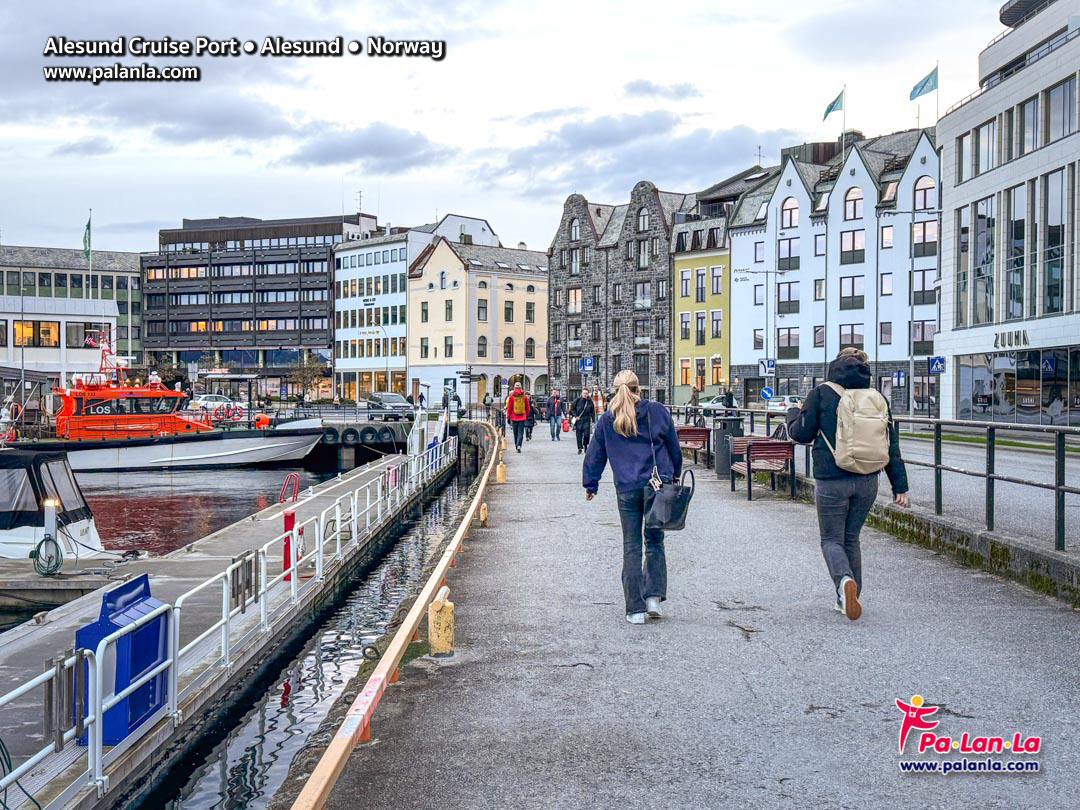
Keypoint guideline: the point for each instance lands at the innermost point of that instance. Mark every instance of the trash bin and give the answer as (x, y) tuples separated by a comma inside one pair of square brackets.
[(130, 657), (723, 427)]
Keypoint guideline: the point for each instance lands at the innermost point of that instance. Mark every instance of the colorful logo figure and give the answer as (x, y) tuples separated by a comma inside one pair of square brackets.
[(915, 716)]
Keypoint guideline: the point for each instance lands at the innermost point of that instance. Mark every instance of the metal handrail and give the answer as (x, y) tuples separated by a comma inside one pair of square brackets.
[(1019, 22)]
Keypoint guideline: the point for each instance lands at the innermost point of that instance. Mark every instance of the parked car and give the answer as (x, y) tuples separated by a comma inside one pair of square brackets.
[(212, 402), (393, 406), (715, 406), (782, 403)]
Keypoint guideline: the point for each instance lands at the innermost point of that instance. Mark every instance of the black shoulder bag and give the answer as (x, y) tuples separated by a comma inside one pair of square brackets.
[(671, 499)]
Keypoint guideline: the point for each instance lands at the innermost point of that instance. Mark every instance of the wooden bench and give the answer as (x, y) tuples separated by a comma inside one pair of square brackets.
[(696, 439), (758, 454)]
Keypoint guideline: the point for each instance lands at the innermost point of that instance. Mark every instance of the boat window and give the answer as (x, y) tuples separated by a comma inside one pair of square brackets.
[(16, 495), (60, 482)]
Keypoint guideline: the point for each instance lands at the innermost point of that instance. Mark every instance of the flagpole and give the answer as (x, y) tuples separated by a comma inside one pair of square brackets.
[(937, 95), (843, 127)]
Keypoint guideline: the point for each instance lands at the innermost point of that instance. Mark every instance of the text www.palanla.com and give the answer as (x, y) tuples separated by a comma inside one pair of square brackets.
[(120, 73), (965, 765)]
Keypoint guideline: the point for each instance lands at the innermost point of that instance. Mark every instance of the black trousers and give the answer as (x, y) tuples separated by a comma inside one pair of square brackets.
[(584, 430)]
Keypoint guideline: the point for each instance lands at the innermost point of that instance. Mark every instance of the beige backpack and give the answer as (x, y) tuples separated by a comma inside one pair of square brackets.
[(862, 430)]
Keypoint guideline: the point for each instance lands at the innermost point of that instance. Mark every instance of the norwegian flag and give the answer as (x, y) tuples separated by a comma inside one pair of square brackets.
[(90, 341)]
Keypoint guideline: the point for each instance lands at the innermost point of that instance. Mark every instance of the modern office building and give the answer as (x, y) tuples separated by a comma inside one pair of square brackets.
[(610, 290), (477, 308), (371, 301), (1010, 296), (838, 248), (52, 309), (245, 294)]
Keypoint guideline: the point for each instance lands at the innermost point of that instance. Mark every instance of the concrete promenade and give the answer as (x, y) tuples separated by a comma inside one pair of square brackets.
[(752, 692)]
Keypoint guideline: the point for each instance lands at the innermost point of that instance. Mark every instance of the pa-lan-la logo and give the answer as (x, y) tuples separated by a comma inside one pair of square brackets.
[(917, 717)]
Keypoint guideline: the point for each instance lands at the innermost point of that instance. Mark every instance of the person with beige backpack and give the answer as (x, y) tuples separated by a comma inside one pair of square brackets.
[(850, 426)]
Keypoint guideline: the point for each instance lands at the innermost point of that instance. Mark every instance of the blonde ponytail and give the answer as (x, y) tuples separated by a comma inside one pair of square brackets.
[(623, 404)]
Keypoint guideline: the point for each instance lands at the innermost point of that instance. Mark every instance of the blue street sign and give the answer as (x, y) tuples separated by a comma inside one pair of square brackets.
[(1049, 365), (766, 393), (585, 365), (937, 365)]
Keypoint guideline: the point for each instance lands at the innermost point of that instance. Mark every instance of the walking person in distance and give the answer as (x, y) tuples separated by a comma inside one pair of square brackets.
[(626, 437), (583, 412), (530, 420), (517, 412), (556, 411), (854, 438)]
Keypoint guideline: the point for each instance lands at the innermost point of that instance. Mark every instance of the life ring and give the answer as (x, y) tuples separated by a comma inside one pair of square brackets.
[(329, 435), (386, 435), (349, 437), (369, 435), (219, 413), (15, 411), (262, 421), (236, 413)]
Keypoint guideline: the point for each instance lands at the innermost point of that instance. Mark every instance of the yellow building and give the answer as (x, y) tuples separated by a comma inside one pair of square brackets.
[(479, 308), (702, 321)]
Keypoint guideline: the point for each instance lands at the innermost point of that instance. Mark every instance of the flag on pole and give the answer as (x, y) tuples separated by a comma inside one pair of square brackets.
[(86, 240), (837, 104), (928, 84)]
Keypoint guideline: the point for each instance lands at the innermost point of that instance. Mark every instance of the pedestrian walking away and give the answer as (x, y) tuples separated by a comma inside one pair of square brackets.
[(598, 401), (691, 409), (517, 412), (583, 413), (626, 438), (530, 420), (854, 438), (556, 412)]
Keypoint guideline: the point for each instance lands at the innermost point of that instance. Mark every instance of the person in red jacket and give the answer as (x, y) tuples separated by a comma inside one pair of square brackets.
[(518, 409)]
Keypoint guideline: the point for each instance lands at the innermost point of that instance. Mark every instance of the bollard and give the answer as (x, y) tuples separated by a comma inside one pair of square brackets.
[(500, 471), (503, 443), (290, 524), (441, 624), (483, 514)]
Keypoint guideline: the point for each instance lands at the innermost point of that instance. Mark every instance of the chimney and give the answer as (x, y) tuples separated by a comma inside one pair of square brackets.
[(522, 246)]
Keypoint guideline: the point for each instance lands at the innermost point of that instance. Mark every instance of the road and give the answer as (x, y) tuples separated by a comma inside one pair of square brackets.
[(752, 692)]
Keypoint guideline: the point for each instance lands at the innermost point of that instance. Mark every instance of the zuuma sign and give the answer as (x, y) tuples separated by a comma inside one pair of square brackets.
[(1017, 338)]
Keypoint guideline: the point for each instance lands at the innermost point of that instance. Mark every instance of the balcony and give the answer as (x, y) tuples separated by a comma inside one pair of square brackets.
[(642, 303)]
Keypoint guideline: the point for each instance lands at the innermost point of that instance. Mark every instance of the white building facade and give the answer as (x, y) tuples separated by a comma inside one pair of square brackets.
[(841, 253), (1010, 301)]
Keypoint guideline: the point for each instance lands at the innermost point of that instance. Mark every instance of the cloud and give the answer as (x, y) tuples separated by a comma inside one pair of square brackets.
[(89, 146), (143, 226), (379, 148), (643, 88), (540, 116)]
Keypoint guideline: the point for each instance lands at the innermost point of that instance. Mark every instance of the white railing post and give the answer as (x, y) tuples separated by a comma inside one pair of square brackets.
[(337, 523), (294, 575), (174, 677), (318, 551), (379, 498), (263, 609), (367, 511), (97, 729), (225, 622)]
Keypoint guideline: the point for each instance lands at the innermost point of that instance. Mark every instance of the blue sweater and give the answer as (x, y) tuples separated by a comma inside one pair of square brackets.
[(631, 459)]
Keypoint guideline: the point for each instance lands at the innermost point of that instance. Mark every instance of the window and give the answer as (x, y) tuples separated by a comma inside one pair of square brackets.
[(573, 304), (1061, 110), (787, 343), (643, 254), (925, 196), (575, 261), (852, 247), (717, 370), (922, 336), (424, 311), (630, 248), (684, 372), (616, 293), (80, 335), (483, 285), (985, 247), (922, 287), (759, 338), (699, 373), (1016, 250), (963, 256), (851, 334), (684, 284), (558, 298), (853, 203), (889, 194), (530, 309), (642, 294), (964, 163), (575, 229), (819, 336), (596, 299), (886, 284), (699, 328), (851, 292), (717, 276), (759, 295), (508, 309), (787, 297), (819, 244), (819, 289), (886, 237), (448, 346), (37, 334), (661, 289), (684, 326), (481, 346), (661, 327), (1028, 140), (643, 219), (789, 213), (449, 310), (924, 238), (1057, 204), (641, 327), (699, 286), (986, 147), (885, 333), (530, 348), (661, 364), (481, 310), (759, 252), (716, 318), (616, 330), (788, 254)]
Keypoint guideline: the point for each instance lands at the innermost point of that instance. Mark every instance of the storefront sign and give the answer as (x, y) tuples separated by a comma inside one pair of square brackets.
[(1017, 338)]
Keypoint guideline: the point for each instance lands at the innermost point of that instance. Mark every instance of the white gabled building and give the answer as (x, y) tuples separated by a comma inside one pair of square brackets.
[(824, 252)]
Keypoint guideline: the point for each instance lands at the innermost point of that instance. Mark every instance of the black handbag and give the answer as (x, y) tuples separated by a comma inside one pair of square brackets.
[(671, 499)]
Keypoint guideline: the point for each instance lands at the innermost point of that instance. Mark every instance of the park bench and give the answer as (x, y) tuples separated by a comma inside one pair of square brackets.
[(696, 439), (757, 454)]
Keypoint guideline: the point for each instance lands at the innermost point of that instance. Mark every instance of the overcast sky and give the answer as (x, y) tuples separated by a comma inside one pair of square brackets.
[(534, 101)]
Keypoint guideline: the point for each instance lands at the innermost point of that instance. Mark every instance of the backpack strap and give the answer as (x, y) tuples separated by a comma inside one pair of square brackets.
[(839, 390)]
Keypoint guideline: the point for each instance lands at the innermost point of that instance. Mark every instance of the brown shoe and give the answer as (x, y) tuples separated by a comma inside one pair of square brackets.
[(849, 593)]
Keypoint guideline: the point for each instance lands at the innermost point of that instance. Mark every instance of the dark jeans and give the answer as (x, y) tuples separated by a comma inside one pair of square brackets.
[(528, 430), (641, 579), (842, 507), (583, 429), (519, 432), (556, 427)]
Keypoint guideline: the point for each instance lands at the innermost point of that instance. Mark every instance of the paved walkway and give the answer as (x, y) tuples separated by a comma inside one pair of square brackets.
[(752, 693)]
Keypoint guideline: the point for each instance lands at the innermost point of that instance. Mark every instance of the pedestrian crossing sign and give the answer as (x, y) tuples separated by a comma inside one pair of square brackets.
[(937, 365), (1049, 365)]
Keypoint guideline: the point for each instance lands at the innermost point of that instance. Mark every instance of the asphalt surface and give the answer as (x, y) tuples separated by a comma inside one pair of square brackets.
[(752, 692)]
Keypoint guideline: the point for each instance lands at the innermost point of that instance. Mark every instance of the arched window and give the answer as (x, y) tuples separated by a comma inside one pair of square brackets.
[(530, 289), (482, 285), (853, 201), (509, 287), (481, 347), (442, 279), (924, 193), (789, 213), (575, 229), (530, 349), (508, 347), (643, 219)]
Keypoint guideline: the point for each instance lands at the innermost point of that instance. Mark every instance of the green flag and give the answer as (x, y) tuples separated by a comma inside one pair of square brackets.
[(928, 84), (86, 240), (837, 104)]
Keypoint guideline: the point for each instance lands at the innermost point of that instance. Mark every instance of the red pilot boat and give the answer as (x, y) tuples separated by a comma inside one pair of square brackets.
[(103, 423)]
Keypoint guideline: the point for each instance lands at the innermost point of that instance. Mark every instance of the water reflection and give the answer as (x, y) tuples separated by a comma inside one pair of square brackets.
[(248, 766)]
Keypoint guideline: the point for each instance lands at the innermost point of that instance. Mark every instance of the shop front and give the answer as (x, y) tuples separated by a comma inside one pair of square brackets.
[(1025, 386)]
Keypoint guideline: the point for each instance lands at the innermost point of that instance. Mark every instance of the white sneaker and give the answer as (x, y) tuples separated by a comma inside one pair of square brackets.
[(838, 605), (849, 598), (652, 607), (635, 618)]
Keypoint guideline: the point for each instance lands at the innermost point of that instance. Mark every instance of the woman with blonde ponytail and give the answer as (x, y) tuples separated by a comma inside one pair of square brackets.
[(627, 435)]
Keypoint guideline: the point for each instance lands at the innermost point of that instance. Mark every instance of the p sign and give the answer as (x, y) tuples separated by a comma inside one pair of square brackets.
[(766, 393)]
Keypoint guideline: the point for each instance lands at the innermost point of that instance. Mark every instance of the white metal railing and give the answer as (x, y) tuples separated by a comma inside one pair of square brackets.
[(327, 539)]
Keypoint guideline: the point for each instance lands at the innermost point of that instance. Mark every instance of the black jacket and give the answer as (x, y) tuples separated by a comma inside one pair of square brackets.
[(584, 410), (818, 416)]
